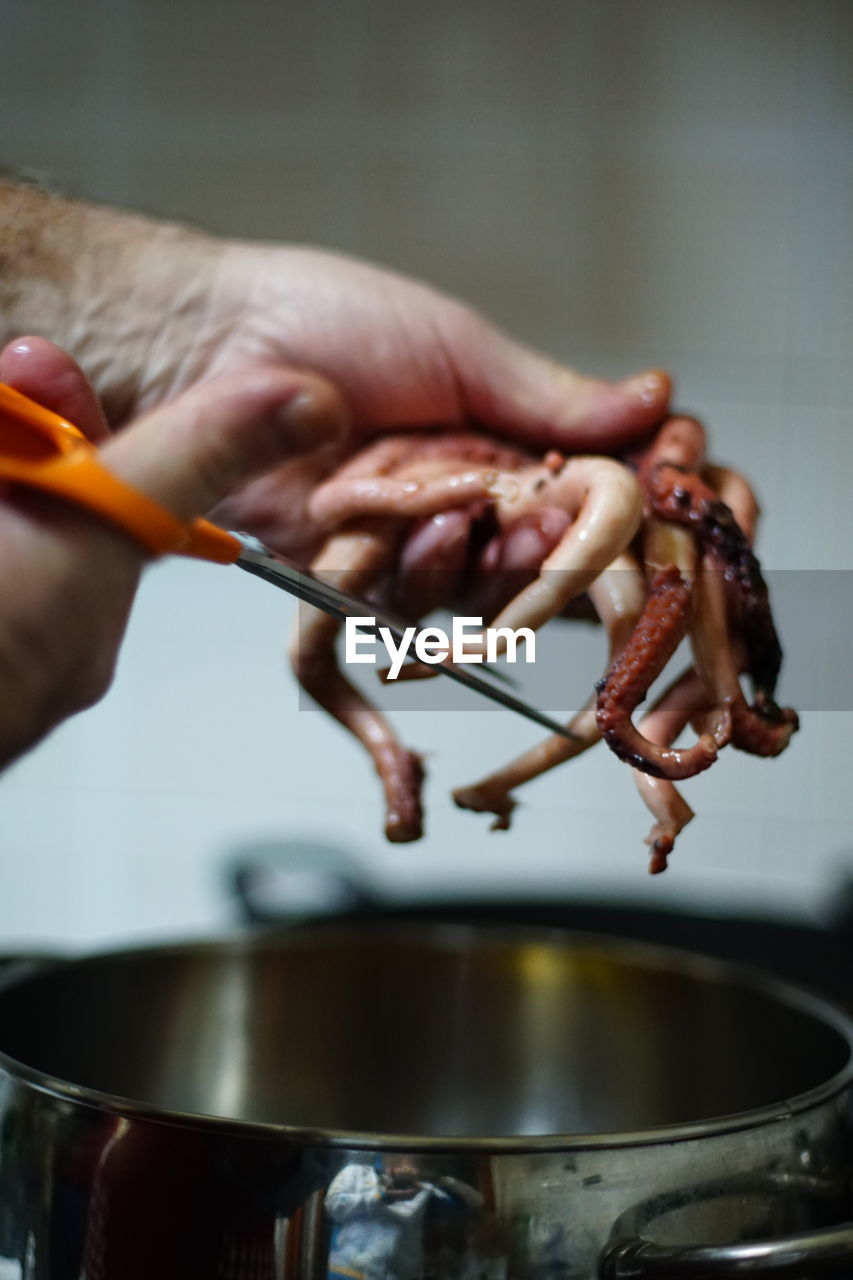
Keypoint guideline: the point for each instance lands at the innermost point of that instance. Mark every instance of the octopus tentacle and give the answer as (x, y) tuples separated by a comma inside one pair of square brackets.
[(664, 544), (762, 729), (618, 596), (737, 494), (354, 559), (676, 492), (689, 501), (407, 476), (493, 794), (676, 707), (655, 638), (668, 548), (606, 503), (338, 501), (679, 443), (668, 473)]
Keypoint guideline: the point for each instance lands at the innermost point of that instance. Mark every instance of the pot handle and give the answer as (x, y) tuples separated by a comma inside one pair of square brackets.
[(801, 1255), (797, 1257)]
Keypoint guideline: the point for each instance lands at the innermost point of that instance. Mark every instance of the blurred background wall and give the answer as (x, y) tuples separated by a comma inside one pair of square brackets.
[(621, 182)]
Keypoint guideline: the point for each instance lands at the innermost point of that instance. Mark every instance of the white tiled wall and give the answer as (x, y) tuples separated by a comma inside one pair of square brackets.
[(619, 181)]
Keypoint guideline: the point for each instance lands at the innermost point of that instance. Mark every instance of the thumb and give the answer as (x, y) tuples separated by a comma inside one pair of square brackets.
[(39, 369), (520, 393), (193, 451)]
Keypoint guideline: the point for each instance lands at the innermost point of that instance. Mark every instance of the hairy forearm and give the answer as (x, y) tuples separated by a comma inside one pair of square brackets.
[(37, 266), (104, 284)]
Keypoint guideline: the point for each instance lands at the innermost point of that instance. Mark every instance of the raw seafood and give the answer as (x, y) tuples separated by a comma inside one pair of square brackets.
[(426, 519)]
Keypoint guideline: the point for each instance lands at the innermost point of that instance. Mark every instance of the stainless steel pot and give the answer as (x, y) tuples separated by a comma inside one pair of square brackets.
[(457, 1104)]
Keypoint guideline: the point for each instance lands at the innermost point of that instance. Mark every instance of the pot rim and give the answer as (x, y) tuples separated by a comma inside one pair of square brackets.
[(654, 955)]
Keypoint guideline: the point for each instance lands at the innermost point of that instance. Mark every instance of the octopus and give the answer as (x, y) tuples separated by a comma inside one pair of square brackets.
[(656, 546)]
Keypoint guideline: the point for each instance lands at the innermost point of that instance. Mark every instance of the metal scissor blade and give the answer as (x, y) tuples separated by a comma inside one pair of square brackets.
[(272, 567)]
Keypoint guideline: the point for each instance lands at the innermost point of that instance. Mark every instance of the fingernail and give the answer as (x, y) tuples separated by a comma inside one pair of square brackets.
[(649, 388), (310, 420)]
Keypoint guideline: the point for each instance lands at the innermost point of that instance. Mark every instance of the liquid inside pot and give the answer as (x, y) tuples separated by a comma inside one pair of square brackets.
[(445, 1034)]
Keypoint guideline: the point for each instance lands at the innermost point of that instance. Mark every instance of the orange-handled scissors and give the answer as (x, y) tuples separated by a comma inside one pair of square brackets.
[(41, 450)]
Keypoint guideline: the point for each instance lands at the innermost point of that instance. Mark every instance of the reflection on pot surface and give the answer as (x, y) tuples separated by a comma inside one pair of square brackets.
[(396, 1104)]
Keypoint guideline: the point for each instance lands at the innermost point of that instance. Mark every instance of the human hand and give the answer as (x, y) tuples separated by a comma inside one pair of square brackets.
[(70, 578), (402, 355), (149, 308)]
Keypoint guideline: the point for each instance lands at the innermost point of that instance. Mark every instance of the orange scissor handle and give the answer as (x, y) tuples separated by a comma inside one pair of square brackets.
[(42, 450)]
